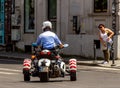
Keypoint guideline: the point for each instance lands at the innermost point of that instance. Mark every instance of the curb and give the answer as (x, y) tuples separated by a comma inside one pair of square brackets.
[(66, 61), (22, 58)]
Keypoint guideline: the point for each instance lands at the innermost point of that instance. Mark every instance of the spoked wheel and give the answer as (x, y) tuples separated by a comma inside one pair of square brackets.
[(44, 77), (26, 75), (73, 76)]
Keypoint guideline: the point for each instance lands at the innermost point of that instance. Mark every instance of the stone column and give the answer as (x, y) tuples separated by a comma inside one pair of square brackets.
[(64, 18), (117, 32)]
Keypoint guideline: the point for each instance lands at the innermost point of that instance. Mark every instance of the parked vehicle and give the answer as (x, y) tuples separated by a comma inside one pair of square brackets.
[(47, 64)]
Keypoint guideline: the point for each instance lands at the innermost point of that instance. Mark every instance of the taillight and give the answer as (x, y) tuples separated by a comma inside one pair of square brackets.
[(45, 53), (41, 53), (48, 53)]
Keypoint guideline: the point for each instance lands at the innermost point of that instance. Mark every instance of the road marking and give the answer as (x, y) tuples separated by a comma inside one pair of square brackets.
[(102, 68), (105, 69), (7, 73), (6, 69)]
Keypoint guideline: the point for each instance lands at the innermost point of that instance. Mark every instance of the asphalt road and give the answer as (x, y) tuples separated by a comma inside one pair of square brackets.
[(87, 77)]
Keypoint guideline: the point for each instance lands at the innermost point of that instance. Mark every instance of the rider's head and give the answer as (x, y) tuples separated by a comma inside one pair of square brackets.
[(47, 25)]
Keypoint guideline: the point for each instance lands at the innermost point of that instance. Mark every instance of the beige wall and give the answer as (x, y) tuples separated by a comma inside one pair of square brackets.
[(81, 44)]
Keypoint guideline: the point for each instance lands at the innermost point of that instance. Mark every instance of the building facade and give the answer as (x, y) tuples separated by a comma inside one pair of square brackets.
[(74, 21)]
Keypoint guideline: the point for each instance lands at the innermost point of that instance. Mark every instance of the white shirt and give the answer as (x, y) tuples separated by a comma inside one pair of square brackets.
[(104, 36), (48, 40)]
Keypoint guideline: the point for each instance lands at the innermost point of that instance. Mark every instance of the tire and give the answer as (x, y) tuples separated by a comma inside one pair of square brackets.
[(73, 76), (44, 77), (26, 75)]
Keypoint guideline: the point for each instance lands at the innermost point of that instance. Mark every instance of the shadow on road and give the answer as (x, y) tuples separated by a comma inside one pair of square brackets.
[(50, 81)]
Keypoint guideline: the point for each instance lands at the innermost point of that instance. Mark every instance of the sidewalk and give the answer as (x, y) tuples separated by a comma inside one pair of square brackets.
[(80, 61)]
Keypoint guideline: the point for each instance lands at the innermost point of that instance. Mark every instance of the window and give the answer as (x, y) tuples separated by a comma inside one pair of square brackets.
[(52, 12), (100, 6), (29, 16)]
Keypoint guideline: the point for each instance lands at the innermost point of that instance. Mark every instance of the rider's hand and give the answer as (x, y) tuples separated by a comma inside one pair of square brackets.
[(61, 46)]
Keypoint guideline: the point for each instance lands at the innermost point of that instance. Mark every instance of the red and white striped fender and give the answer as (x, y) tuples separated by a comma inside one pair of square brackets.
[(73, 64), (27, 64)]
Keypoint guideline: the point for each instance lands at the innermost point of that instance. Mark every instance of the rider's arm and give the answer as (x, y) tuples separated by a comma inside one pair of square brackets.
[(58, 42), (38, 42)]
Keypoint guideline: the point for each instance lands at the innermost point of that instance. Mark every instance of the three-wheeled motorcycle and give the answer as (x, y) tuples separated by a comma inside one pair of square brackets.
[(47, 64)]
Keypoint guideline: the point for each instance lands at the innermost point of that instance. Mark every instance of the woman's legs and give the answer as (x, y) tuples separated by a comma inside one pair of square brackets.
[(106, 55)]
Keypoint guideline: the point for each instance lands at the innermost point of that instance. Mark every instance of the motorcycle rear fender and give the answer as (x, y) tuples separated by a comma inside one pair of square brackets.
[(27, 64), (63, 66), (73, 64), (47, 62)]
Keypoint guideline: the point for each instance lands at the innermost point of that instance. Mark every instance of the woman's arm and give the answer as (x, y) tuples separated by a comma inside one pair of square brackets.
[(111, 33)]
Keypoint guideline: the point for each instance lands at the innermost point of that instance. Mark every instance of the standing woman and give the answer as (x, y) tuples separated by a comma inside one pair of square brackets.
[(105, 36)]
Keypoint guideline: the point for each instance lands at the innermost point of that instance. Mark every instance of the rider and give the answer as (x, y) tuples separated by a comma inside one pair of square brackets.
[(48, 39)]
